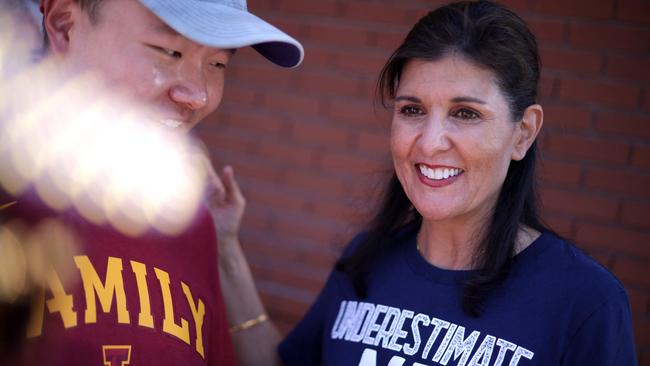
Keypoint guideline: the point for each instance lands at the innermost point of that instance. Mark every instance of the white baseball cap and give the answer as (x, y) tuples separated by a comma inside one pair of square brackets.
[(227, 24)]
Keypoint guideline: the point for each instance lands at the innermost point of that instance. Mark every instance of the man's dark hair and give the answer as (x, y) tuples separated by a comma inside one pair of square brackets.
[(493, 37), (91, 7)]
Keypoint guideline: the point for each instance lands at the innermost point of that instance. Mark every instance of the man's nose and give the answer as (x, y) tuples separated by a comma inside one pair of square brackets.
[(190, 89)]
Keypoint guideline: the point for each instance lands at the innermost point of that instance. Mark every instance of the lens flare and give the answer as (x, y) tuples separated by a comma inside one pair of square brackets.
[(29, 253), (83, 147), (13, 264)]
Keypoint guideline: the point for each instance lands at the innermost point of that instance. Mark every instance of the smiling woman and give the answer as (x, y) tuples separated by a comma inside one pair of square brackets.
[(452, 131), (456, 267), (463, 89)]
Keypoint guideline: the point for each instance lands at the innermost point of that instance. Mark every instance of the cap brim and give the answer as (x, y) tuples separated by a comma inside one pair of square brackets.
[(224, 27)]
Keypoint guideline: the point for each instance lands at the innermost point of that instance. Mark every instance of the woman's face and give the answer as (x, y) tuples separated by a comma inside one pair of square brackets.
[(452, 138)]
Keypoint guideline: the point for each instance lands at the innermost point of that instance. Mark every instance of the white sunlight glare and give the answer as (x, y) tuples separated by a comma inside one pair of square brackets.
[(83, 148)]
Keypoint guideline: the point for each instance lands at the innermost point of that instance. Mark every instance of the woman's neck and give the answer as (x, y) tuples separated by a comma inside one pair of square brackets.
[(454, 247), (447, 246)]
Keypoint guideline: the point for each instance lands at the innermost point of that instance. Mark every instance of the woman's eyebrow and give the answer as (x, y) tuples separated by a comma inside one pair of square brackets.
[(465, 99), (408, 98), (468, 100)]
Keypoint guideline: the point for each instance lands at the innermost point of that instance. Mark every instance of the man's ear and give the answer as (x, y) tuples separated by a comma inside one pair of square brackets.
[(527, 130), (59, 16)]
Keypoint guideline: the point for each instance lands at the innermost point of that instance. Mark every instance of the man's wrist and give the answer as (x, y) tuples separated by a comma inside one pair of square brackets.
[(231, 255)]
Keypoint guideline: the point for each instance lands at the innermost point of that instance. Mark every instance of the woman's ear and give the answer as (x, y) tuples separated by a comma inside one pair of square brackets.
[(527, 130), (59, 16)]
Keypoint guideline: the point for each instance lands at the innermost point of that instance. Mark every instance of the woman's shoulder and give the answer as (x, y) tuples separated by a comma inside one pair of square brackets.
[(570, 267)]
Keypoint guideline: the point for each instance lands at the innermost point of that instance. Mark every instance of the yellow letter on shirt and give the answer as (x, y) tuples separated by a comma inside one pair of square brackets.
[(145, 318), (114, 284), (169, 326), (60, 302), (35, 325), (198, 313)]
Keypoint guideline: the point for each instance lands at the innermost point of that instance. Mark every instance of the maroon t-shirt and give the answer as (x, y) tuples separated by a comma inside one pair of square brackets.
[(148, 300)]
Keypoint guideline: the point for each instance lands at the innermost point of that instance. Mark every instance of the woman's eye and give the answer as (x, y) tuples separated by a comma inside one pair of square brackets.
[(411, 111), (466, 114)]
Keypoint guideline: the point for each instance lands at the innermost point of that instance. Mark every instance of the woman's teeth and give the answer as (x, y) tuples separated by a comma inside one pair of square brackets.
[(438, 173)]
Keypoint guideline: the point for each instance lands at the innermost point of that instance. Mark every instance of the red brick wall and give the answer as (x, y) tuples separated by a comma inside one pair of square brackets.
[(309, 148)]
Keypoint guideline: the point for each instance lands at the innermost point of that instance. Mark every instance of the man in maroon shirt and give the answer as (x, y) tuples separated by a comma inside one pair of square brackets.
[(151, 298)]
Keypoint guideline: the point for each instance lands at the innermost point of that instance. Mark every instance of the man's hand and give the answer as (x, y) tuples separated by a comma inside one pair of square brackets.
[(226, 203)]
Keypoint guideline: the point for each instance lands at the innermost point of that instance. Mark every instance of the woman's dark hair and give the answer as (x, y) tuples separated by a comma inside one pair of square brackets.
[(495, 38)]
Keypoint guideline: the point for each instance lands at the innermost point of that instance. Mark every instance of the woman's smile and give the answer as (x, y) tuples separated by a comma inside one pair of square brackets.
[(437, 175)]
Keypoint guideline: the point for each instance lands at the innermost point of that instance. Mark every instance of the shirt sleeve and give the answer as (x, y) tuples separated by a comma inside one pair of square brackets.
[(303, 345), (605, 338)]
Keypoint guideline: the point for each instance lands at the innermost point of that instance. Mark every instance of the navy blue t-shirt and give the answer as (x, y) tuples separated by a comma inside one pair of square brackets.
[(557, 307)]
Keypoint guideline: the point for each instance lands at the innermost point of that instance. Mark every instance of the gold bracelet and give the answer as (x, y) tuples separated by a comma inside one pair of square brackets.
[(249, 323)]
